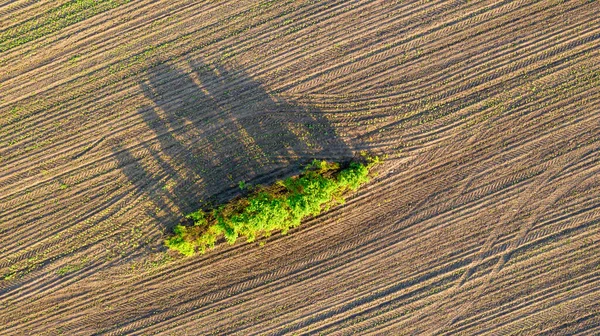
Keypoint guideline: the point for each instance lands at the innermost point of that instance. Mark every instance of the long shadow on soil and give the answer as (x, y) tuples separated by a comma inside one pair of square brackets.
[(210, 128)]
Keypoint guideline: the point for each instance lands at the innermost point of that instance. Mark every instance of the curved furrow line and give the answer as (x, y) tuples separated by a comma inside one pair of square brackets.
[(296, 85), (463, 200), (73, 241), (514, 101), (528, 268), (69, 14), (523, 153), (410, 84), (402, 96), (555, 223), (174, 11), (516, 242), (525, 302), (449, 76), (383, 321), (506, 218), (563, 70), (32, 47), (571, 101), (453, 35), (548, 79), (555, 217), (415, 237), (586, 220), (296, 316), (391, 323), (517, 177), (53, 280), (372, 37), (587, 323), (92, 170), (52, 291), (106, 207), (265, 299), (478, 66), (101, 47), (111, 165), (12, 13), (455, 299), (57, 236), (16, 325), (488, 84), (47, 201), (580, 219), (173, 40), (350, 277), (196, 120), (523, 173), (101, 38), (387, 48), (585, 154), (564, 259), (41, 207), (294, 56), (572, 302), (138, 145), (519, 152), (138, 54)]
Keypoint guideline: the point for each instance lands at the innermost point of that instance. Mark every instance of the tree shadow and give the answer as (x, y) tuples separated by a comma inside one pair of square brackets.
[(208, 129)]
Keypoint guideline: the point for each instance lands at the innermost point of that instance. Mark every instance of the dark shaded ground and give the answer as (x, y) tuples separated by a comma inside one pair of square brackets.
[(209, 137)]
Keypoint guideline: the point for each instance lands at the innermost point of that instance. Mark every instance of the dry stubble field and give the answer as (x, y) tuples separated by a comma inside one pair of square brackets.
[(117, 117)]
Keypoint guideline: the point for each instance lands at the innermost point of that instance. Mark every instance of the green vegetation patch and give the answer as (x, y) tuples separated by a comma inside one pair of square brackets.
[(280, 206), (55, 19)]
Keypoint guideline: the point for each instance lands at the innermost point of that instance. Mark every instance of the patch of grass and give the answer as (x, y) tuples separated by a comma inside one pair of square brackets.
[(74, 59), (68, 269), (281, 206), (54, 20)]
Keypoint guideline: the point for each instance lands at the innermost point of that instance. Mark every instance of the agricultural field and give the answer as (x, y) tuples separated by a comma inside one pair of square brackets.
[(118, 118)]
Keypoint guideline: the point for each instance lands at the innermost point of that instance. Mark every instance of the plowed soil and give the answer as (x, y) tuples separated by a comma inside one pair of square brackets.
[(119, 117)]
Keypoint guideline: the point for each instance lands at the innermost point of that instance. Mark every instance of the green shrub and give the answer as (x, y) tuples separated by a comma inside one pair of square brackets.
[(180, 242), (279, 207)]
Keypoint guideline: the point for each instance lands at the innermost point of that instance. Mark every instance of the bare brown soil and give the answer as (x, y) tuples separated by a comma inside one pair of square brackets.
[(484, 219)]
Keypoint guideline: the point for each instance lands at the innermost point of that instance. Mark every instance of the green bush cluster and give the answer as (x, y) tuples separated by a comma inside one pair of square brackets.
[(279, 207)]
